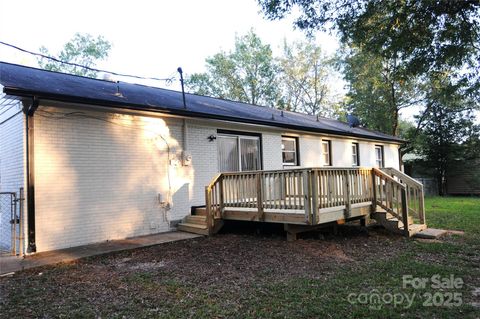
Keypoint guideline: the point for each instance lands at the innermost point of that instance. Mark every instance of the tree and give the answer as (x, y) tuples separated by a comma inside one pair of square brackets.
[(246, 74), (425, 36), (378, 89), (82, 49), (449, 133), (305, 78)]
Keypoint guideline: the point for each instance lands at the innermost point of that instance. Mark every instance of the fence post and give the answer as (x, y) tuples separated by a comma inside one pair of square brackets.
[(21, 237)]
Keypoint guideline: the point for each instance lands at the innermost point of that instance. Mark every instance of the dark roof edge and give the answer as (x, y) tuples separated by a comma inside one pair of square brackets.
[(180, 112)]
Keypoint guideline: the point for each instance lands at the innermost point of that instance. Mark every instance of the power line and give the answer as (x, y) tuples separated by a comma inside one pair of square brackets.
[(168, 80)]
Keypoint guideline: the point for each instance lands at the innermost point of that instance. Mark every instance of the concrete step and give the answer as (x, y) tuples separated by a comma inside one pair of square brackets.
[(193, 228), (413, 229), (431, 233)]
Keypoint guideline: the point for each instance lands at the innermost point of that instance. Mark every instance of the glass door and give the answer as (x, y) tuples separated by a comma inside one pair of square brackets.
[(238, 153)]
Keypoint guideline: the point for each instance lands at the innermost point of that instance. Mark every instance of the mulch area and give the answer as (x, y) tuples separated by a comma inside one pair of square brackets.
[(223, 267)]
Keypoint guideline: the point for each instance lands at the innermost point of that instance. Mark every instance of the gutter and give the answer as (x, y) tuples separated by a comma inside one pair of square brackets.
[(181, 112), (29, 111)]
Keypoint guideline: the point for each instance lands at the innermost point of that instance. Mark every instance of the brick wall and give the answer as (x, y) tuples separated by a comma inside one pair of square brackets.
[(103, 176), (12, 139)]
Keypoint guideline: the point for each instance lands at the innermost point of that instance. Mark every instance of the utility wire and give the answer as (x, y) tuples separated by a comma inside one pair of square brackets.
[(168, 80)]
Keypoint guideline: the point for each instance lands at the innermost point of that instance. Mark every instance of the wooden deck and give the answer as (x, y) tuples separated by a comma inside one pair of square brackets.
[(315, 196)]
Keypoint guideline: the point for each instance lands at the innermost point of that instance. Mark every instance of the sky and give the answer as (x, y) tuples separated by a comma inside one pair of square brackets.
[(150, 38)]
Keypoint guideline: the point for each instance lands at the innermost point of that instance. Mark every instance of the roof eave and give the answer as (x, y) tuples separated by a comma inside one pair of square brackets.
[(180, 112)]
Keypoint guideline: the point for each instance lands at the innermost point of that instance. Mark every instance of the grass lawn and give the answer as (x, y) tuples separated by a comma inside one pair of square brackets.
[(243, 275)]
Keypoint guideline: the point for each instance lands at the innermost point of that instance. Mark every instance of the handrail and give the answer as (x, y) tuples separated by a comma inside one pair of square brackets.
[(391, 196), (402, 176), (415, 193), (379, 172), (212, 202)]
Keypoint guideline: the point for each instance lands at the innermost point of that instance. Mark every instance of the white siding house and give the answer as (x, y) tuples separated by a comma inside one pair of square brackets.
[(110, 173)]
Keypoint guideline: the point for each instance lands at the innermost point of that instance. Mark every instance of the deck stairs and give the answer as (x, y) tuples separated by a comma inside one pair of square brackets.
[(197, 223), (391, 222)]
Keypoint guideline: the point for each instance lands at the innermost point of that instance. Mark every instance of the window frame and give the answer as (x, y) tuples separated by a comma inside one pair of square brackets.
[(382, 154), (329, 147), (356, 146), (296, 151)]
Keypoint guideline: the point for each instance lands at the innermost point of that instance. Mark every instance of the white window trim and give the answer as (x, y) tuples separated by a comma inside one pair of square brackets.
[(295, 140), (356, 146), (329, 147), (382, 156)]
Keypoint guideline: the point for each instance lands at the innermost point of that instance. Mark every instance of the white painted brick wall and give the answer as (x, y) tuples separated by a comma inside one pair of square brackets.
[(12, 139), (99, 180)]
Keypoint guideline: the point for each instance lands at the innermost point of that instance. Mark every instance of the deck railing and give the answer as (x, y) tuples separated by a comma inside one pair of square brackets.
[(306, 189), (390, 195), (414, 193), (309, 190)]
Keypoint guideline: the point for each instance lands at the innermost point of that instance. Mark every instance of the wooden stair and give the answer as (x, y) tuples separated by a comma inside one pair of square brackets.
[(194, 224), (197, 223), (393, 224)]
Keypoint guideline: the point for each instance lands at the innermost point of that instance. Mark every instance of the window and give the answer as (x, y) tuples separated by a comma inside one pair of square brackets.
[(290, 151), (355, 154), (238, 153), (379, 162), (326, 153)]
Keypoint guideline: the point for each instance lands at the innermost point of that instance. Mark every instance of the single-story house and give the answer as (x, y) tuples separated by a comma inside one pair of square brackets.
[(102, 160)]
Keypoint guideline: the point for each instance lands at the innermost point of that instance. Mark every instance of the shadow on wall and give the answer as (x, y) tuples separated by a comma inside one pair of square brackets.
[(103, 176)]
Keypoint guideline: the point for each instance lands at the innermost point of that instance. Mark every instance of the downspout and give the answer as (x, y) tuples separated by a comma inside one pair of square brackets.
[(29, 111)]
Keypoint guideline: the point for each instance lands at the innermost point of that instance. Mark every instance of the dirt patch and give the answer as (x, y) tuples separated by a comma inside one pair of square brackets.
[(225, 267)]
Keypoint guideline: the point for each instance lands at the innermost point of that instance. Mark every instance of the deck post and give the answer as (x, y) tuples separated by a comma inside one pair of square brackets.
[(315, 194), (208, 209), (261, 214), (221, 205), (421, 205), (405, 212), (346, 194), (374, 191), (307, 195)]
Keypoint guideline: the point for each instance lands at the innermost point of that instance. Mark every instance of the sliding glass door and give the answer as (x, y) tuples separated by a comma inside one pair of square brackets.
[(238, 153)]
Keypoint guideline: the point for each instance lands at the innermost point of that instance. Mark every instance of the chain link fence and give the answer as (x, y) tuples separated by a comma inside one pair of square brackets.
[(11, 238)]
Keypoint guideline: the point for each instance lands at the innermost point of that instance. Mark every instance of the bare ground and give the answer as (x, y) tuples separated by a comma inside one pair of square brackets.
[(220, 276)]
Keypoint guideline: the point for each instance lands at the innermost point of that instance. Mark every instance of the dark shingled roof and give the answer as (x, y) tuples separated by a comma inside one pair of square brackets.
[(25, 81)]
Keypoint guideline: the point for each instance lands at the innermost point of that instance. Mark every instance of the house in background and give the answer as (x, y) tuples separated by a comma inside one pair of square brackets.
[(102, 160)]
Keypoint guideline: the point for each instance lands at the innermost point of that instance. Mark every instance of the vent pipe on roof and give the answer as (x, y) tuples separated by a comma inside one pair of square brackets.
[(179, 69)]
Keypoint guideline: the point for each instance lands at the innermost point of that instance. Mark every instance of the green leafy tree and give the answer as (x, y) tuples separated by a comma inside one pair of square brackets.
[(425, 36), (247, 74), (378, 89), (83, 50), (448, 133), (306, 74)]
